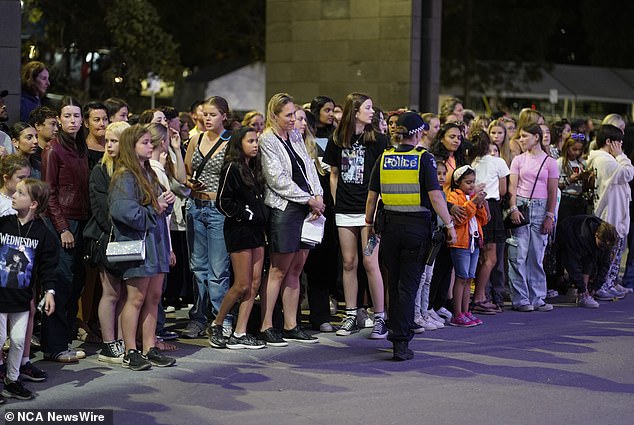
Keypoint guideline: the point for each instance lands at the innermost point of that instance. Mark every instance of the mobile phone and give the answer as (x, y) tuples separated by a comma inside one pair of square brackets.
[(194, 181)]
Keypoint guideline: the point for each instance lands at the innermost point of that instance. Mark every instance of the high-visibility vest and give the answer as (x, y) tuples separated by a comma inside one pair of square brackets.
[(400, 184)]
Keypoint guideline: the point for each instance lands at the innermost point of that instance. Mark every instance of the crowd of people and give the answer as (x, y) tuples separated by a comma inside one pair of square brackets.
[(430, 219)]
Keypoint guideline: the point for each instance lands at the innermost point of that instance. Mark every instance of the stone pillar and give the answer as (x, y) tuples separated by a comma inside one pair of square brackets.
[(334, 47), (10, 29)]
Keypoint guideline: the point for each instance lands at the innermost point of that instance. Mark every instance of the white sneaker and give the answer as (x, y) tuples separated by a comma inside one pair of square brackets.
[(445, 314), (428, 323), (435, 316), (430, 319), (623, 289), (585, 300)]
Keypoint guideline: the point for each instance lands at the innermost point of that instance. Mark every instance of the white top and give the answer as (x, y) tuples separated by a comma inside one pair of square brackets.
[(489, 170), (613, 175)]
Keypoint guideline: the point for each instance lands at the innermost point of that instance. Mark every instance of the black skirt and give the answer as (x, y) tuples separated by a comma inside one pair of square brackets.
[(494, 231), (240, 235), (285, 228)]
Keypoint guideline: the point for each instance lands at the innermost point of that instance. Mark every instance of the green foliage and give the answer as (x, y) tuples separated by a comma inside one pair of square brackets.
[(129, 29), (139, 43)]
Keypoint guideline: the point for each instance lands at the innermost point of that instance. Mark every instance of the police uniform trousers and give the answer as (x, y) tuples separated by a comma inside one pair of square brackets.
[(404, 242)]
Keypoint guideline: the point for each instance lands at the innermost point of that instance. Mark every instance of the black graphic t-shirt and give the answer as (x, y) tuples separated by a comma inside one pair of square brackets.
[(355, 166), (27, 253)]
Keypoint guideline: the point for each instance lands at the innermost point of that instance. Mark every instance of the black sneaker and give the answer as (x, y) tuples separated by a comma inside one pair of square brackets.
[(158, 359), (245, 341), (217, 339), (111, 353), (348, 327), (134, 360), (297, 334), (30, 372), (16, 390), (272, 338)]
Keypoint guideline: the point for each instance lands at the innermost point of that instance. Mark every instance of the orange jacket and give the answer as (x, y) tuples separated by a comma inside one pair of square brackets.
[(457, 197)]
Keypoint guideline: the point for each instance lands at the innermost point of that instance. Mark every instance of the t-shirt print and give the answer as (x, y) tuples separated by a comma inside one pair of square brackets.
[(16, 261), (353, 164)]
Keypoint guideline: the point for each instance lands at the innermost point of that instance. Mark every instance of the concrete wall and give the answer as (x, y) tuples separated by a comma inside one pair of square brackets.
[(334, 47), (10, 28)]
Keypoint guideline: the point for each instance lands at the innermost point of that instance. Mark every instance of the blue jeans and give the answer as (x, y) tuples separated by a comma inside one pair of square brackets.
[(209, 260), (526, 255)]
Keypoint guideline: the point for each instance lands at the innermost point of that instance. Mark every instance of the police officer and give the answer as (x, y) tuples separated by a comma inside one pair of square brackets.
[(405, 176)]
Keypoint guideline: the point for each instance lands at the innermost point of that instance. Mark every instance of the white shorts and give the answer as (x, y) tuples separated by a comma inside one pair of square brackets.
[(350, 220)]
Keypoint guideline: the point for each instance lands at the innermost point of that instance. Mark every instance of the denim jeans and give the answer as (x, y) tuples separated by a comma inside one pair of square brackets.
[(525, 256), (209, 260)]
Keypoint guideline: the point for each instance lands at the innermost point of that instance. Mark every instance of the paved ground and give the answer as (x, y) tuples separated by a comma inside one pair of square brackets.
[(569, 366)]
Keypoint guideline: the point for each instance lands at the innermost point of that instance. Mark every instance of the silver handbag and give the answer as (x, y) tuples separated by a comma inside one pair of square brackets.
[(117, 252)]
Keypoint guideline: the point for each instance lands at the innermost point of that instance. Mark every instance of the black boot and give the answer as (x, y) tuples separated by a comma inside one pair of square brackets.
[(402, 351)]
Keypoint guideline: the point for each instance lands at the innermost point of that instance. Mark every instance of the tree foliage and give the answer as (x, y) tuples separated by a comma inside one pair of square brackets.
[(138, 43), (127, 32)]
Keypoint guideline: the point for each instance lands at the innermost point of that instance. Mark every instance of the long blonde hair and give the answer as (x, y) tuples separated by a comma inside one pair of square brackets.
[(276, 104), (106, 160)]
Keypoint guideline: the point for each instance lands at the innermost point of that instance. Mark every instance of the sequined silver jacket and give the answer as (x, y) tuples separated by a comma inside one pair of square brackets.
[(278, 171)]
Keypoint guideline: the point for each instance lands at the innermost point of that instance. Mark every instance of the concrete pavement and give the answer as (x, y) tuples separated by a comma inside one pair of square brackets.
[(568, 366)]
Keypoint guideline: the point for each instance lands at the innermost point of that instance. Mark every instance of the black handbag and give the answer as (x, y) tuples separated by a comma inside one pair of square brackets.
[(524, 209)]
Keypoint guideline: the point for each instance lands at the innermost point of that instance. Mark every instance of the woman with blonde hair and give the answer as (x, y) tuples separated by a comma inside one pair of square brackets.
[(138, 206), (97, 233), (255, 120), (292, 193)]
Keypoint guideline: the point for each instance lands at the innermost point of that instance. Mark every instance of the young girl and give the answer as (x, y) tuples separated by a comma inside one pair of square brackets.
[(464, 252), (425, 318), (137, 207), (572, 174), (27, 245), (241, 200), (491, 172), (351, 153), (98, 229)]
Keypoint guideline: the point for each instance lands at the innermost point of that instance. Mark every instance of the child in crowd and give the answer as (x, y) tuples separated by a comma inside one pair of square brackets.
[(28, 249), (241, 200), (425, 318), (465, 251), (13, 169)]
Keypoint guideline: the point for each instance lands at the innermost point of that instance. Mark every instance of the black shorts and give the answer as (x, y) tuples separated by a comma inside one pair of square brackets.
[(285, 228), (240, 236), (494, 231)]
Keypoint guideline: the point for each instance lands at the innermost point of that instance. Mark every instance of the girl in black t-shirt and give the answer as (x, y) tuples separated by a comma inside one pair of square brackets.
[(351, 152)]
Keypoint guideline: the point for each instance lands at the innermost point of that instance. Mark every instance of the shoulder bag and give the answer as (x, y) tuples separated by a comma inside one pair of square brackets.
[(524, 209)]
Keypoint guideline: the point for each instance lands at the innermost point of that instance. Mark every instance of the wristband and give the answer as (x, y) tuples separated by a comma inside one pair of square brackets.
[(50, 291), (449, 225), (64, 230), (513, 209)]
